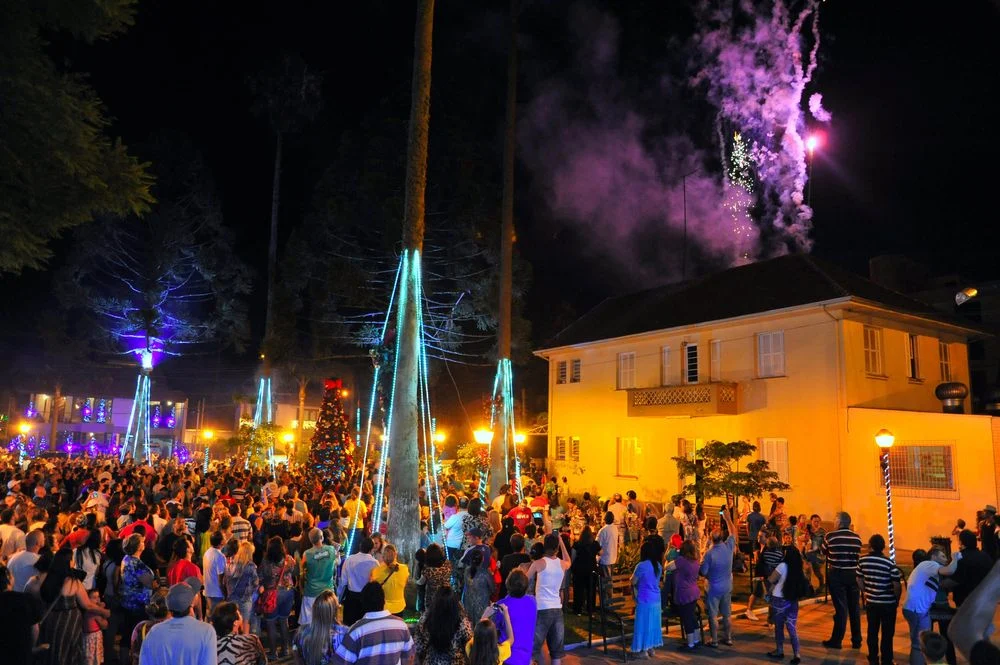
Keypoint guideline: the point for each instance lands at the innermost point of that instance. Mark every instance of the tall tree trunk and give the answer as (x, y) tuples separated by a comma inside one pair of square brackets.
[(503, 440), (404, 514), (54, 417), (272, 247), (303, 382)]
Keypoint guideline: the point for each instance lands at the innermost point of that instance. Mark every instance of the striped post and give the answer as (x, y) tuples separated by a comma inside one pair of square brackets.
[(888, 503)]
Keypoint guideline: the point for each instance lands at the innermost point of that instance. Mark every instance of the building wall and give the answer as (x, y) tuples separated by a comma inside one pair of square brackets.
[(800, 407), (917, 514), (893, 389)]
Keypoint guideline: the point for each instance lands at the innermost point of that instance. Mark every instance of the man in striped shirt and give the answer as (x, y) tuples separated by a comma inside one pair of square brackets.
[(378, 638), (882, 585), (842, 548)]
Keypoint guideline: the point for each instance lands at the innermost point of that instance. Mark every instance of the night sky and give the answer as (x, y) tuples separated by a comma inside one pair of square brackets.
[(909, 165)]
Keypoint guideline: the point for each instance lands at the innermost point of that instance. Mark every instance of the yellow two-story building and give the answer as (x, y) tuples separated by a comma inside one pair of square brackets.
[(803, 359)]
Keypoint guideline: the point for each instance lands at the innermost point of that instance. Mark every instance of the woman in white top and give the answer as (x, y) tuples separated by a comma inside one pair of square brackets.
[(788, 582), (548, 573), (87, 558)]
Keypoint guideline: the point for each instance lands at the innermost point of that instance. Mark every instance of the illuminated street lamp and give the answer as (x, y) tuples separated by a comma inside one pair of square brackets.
[(440, 437), (884, 440), (483, 436), (519, 438)]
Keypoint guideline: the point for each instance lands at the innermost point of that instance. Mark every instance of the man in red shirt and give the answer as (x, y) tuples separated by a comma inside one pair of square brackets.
[(139, 516), (521, 516)]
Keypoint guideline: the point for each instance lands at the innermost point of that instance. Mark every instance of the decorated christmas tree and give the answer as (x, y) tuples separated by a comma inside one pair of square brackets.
[(331, 454)]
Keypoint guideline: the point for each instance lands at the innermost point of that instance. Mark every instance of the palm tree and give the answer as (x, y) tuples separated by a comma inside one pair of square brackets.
[(404, 516)]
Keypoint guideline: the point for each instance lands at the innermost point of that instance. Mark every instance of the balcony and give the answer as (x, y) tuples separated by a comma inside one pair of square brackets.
[(701, 399)]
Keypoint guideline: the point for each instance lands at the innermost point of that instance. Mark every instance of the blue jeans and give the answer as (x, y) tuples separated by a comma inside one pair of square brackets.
[(918, 623), (717, 605), (549, 629), (786, 615)]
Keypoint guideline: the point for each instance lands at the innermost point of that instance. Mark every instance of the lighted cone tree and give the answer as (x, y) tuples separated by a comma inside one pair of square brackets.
[(331, 454)]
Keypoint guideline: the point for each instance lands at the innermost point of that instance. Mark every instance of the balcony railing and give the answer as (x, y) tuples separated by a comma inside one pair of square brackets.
[(700, 399)]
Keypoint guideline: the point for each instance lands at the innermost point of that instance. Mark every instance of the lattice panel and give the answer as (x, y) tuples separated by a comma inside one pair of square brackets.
[(672, 395), (727, 393)]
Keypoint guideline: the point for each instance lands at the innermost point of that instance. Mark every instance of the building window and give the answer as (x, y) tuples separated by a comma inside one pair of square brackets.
[(715, 360), (626, 370), (574, 448), (775, 453), (561, 371), (310, 414), (574, 370), (925, 467), (690, 363), (771, 353), (873, 351), (912, 362), (944, 354), (665, 378), (627, 453), (560, 448)]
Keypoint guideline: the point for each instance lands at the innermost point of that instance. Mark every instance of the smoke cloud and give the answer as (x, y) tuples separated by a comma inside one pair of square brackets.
[(604, 168), (755, 65)]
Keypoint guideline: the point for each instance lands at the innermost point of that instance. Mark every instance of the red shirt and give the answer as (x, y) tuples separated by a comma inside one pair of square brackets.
[(180, 570), (75, 539), (150, 532), (522, 518)]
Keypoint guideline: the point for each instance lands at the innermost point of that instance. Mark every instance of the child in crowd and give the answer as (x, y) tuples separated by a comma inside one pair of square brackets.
[(93, 625)]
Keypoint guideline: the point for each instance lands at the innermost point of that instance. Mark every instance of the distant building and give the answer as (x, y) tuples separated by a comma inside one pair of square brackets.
[(803, 359)]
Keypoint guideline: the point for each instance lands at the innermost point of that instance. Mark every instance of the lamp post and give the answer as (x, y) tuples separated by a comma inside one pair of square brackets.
[(485, 437), (884, 440), (206, 436), (289, 440)]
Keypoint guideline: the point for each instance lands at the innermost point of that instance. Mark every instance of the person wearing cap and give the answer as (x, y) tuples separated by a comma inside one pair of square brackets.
[(181, 639), (988, 532)]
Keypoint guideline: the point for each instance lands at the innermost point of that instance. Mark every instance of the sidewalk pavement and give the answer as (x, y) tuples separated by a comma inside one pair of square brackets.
[(753, 639)]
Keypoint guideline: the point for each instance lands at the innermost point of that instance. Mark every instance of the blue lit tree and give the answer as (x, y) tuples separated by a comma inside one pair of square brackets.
[(156, 286)]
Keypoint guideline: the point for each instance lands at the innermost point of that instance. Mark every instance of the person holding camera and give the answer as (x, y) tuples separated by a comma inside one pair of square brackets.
[(717, 567), (485, 647)]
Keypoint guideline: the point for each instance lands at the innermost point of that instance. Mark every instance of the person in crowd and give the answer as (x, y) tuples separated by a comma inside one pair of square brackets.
[(356, 573), (717, 568), (11, 536), (973, 566), (19, 615), (881, 584), (479, 584), (378, 637), (486, 647), (973, 621), (511, 561), (522, 611), (755, 522), (239, 526), (521, 516), (65, 598), (443, 631), (213, 565), (582, 570), (648, 630), (921, 590), (988, 532), (454, 531), (22, 564), (357, 513), (436, 572), (393, 576), (87, 557), (181, 566), (842, 548), (277, 595), (181, 639), (501, 542), (608, 540), (319, 566), (548, 573), (136, 585), (241, 581), (156, 611), (933, 648), (94, 623), (233, 647), (788, 585), (317, 641), (815, 534), (686, 591)]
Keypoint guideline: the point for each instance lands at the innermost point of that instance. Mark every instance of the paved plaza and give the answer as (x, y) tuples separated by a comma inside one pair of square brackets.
[(752, 642)]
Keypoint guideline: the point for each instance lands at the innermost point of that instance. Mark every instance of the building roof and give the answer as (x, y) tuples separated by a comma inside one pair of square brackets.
[(788, 281)]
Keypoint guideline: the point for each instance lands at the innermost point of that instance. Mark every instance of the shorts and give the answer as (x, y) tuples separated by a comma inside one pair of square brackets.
[(549, 629)]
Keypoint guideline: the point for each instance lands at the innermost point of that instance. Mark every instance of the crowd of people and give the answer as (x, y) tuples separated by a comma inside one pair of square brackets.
[(166, 564)]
